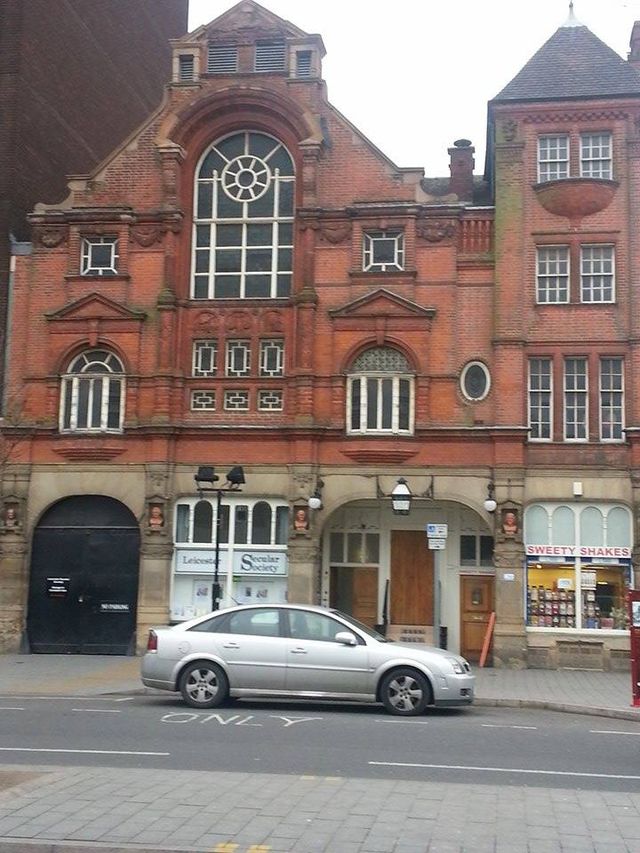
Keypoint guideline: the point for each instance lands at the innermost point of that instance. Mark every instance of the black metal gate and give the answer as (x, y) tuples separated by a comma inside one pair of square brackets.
[(84, 578)]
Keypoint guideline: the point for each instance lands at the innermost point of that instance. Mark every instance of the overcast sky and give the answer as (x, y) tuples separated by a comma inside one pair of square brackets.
[(415, 75)]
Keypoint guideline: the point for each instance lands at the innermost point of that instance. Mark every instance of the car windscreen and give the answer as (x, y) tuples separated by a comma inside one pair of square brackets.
[(362, 627)]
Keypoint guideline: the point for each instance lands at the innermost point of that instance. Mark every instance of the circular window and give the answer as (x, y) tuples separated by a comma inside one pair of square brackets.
[(475, 381), (246, 178)]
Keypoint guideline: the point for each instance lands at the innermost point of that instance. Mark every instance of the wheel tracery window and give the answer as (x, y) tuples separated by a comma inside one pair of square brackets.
[(243, 222)]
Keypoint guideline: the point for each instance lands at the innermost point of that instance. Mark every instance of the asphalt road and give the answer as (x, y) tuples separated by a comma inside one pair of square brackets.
[(493, 746)]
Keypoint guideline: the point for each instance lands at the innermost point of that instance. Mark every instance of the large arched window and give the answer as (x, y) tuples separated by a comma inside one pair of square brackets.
[(380, 393), (243, 222), (92, 393)]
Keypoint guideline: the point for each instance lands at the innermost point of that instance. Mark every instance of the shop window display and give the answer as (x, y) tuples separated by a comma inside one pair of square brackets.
[(553, 600), (578, 566)]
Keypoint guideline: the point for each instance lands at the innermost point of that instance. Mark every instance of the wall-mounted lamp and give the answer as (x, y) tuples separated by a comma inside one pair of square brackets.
[(490, 500), (401, 497), (315, 500)]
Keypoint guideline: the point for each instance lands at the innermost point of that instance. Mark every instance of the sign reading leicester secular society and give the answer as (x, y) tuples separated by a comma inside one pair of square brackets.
[(202, 561), (572, 551)]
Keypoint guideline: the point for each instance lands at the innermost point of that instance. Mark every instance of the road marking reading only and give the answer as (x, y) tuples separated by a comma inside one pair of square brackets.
[(501, 770), (234, 720), (79, 751)]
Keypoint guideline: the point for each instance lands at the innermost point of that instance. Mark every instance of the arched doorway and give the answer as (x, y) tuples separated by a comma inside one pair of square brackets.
[(83, 587)]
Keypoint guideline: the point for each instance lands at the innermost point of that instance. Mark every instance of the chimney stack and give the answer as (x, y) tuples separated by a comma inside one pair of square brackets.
[(634, 44), (461, 167)]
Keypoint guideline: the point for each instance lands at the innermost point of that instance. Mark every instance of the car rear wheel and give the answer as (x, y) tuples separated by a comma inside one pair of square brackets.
[(405, 692), (204, 685)]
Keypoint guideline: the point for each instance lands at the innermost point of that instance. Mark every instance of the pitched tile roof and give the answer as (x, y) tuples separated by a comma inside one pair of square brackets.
[(573, 63)]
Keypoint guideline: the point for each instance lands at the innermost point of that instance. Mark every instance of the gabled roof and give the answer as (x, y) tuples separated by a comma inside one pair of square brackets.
[(573, 63), (246, 14)]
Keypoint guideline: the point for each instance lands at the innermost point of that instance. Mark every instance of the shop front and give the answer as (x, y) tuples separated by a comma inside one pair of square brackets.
[(578, 574), (250, 562)]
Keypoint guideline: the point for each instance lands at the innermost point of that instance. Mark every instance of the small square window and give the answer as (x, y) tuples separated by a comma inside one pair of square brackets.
[(553, 158), (238, 358), (205, 358), (222, 58), (203, 401), (272, 358), (552, 275), (304, 66), (597, 274), (270, 400), (595, 155), (270, 56), (99, 256), (383, 251), (186, 67), (236, 401)]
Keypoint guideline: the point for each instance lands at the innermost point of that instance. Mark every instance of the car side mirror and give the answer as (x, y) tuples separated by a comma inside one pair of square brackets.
[(346, 638)]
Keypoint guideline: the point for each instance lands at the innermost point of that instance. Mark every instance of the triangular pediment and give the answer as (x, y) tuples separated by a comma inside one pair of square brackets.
[(382, 303), (95, 306), (247, 16)]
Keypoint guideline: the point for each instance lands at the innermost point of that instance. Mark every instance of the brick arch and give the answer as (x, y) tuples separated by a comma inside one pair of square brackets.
[(374, 343), (237, 108), (70, 353)]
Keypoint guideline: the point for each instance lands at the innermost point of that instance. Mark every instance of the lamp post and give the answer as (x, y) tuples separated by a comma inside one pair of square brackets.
[(233, 480)]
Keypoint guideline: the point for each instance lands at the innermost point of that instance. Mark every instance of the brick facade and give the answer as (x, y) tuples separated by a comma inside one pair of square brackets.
[(464, 294)]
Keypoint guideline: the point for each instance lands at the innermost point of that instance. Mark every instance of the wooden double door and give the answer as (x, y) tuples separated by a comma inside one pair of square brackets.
[(411, 579)]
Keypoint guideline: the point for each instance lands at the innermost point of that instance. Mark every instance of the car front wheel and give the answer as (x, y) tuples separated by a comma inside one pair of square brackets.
[(204, 685), (405, 692)]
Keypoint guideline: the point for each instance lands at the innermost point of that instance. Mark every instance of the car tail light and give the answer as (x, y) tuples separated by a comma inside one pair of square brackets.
[(152, 641)]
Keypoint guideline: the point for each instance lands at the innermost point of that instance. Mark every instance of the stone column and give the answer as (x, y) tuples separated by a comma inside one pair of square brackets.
[(14, 588), (155, 583), (304, 568), (156, 551), (509, 635)]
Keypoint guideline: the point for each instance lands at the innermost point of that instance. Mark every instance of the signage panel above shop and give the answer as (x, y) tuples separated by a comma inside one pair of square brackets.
[(259, 563), (203, 561), (572, 551)]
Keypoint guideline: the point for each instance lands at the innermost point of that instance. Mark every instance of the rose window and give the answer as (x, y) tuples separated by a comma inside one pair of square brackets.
[(246, 178)]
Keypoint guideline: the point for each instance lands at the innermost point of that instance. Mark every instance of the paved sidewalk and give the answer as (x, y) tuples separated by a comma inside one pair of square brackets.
[(603, 693), (77, 809)]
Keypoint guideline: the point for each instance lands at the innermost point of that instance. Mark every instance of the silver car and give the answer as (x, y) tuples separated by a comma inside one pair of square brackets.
[(301, 652)]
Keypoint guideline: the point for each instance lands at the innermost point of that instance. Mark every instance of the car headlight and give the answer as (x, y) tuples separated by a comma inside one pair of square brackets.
[(457, 666)]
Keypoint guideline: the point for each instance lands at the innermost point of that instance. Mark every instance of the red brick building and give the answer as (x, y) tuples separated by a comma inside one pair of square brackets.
[(248, 281)]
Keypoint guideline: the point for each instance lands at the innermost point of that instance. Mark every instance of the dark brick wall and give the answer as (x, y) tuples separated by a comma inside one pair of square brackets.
[(76, 77)]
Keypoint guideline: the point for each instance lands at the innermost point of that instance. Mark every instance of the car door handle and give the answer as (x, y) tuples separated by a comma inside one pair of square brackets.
[(231, 645), (298, 651)]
